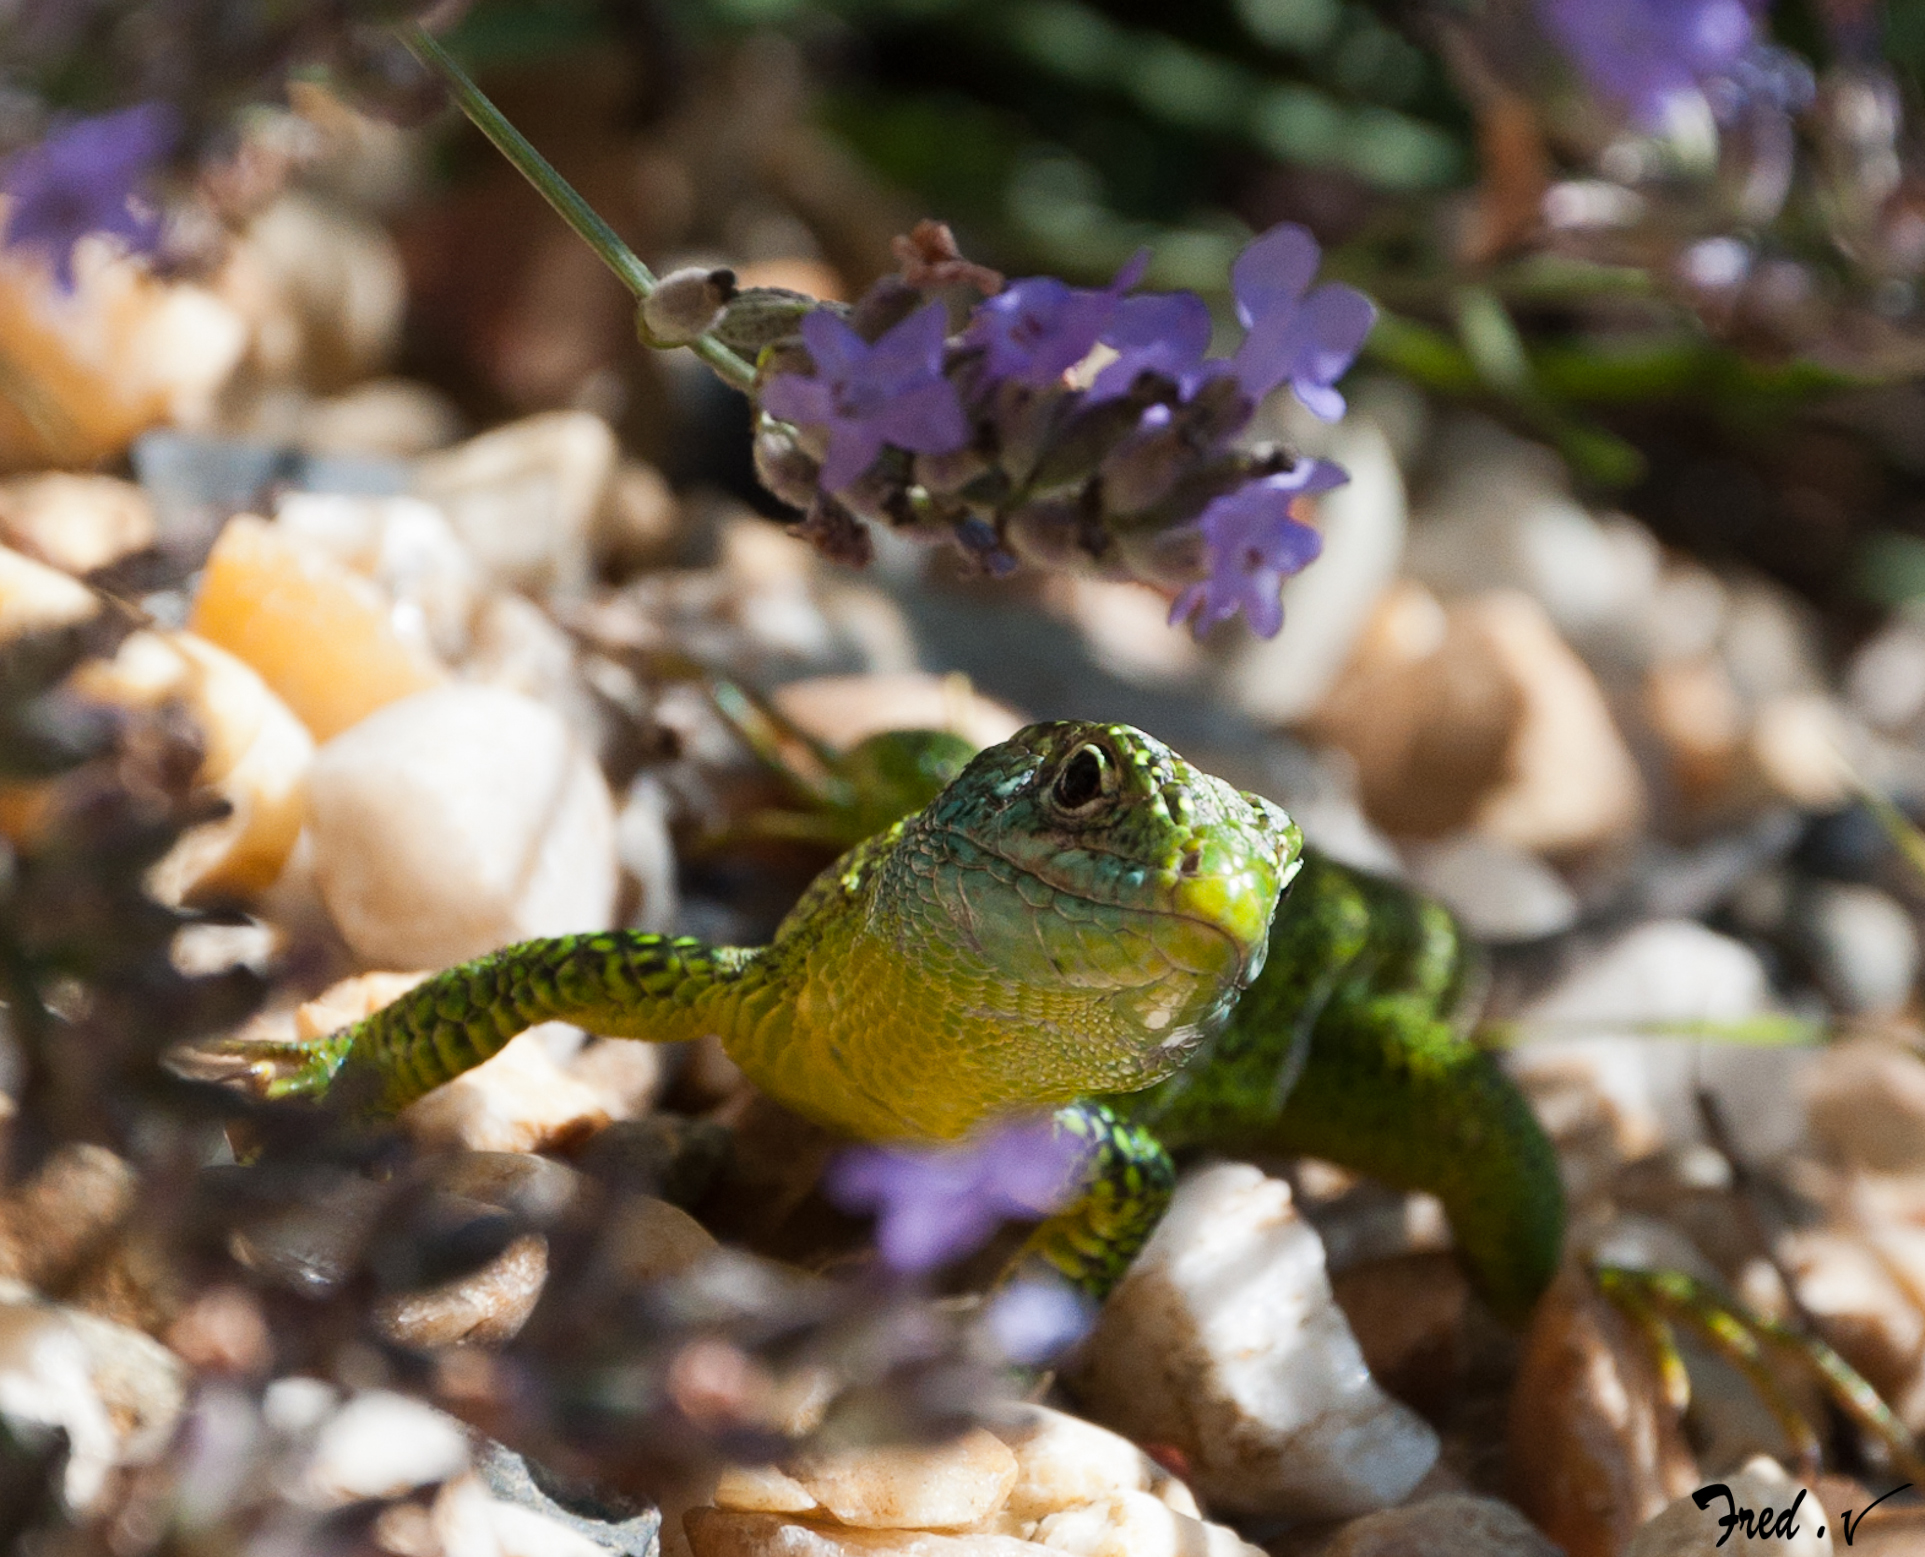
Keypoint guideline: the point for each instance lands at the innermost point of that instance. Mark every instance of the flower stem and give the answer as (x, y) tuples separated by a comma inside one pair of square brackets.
[(558, 192)]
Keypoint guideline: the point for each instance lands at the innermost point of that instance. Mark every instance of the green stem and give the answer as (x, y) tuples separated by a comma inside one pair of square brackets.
[(558, 192)]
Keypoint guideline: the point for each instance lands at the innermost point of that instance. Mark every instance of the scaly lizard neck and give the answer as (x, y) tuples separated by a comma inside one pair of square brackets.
[(920, 988)]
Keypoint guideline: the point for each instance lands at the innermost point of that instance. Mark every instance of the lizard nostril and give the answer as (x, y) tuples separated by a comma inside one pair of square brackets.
[(1192, 863)]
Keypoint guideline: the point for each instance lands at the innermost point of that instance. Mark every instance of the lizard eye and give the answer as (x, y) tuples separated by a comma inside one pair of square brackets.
[(1085, 778)]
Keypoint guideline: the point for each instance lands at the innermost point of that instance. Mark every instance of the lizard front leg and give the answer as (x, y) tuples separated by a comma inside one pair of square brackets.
[(620, 984), (1123, 1186)]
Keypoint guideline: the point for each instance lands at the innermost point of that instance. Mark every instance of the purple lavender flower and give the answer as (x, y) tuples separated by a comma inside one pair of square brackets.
[(1252, 545), (1035, 330), (1165, 333), (83, 178), (1032, 1322), (864, 396), (1644, 54), (1293, 335), (934, 1206), (1307, 341)]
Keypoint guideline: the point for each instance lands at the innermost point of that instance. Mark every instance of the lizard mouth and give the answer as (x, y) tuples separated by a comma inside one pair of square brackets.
[(1234, 905)]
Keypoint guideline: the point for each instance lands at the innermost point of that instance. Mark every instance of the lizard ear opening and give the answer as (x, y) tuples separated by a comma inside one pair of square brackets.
[(1086, 779)]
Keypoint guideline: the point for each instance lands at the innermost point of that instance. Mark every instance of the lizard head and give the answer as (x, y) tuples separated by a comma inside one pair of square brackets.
[(1090, 858)]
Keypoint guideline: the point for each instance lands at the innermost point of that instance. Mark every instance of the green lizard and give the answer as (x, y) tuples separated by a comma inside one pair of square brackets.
[(1073, 918)]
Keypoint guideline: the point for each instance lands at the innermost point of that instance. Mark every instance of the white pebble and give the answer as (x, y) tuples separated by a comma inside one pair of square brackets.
[(1500, 892), (404, 545), (1224, 1341), (456, 821), (380, 1445), (1622, 1024), (45, 1384), (524, 496)]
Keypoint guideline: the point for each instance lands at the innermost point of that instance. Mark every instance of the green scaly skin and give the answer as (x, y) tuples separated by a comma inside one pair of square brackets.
[(1041, 933), (1346, 1049)]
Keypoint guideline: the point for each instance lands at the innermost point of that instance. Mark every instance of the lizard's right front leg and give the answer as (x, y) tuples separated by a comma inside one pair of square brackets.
[(619, 983)]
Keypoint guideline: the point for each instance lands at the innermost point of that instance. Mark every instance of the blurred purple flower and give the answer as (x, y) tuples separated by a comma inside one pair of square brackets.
[(1293, 335), (937, 1205), (1033, 1322), (1644, 53), (1252, 545), (1035, 330), (84, 178), (865, 396), (1305, 338), (1165, 333)]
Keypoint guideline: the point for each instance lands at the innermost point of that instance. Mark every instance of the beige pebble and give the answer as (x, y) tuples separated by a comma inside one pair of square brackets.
[(1865, 1100), (35, 597), (318, 633), (256, 756), (1134, 1524), (392, 417), (1594, 1448), (910, 1486), (74, 1201), (625, 1073), (523, 497), (639, 522), (648, 1240), (1858, 1297), (483, 1308), (349, 1001), (521, 1100), (1683, 1529), (404, 546), (1569, 781), (1063, 1461), (77, 523), (762, 1489), (536, 1189), (457, 821), (1693, 707), (1126, 626), (842, 710), (321, 288), (1799, 742), (124, 351), (1479, 714), (1458, 1524), (717, 1532), (117, 1394)]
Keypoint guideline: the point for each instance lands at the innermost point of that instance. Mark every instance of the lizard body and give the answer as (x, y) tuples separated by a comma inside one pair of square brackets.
[(1075, 916)]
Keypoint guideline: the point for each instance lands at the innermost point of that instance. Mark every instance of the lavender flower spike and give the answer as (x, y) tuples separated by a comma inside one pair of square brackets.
[(1252, 545), (83, 178), (1308, 341), (1643, 54), (863, 396), (1165, 333), (1035, 330), (934, 1206)]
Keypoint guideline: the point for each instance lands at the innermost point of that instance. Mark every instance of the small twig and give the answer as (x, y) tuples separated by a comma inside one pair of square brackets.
[(587, 223)]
